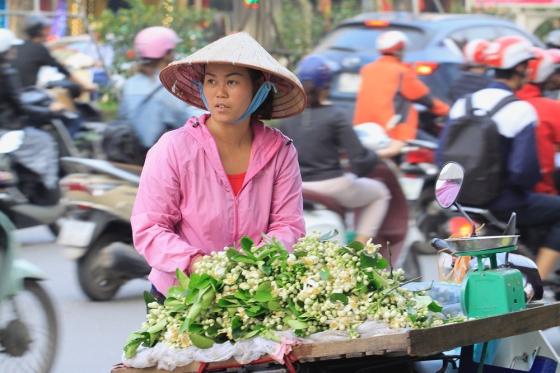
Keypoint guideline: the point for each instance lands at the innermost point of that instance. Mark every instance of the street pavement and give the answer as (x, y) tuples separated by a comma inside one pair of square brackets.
[(92, 333)]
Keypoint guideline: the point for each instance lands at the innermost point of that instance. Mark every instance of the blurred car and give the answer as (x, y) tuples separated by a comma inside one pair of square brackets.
[(434, 50)]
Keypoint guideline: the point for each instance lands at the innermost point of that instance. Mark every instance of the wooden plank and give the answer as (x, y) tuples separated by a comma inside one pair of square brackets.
[(377, 345), (429, 341)]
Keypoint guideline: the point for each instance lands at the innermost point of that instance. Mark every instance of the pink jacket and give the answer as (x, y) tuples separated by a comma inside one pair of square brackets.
[(185, 205)]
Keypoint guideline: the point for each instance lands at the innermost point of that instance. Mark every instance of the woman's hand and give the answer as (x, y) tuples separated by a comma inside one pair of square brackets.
[(192, 265)]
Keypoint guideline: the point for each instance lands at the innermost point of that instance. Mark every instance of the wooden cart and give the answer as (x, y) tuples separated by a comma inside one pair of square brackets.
[(412, 343)]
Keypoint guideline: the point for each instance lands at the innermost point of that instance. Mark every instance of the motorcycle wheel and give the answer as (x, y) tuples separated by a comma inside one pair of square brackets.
[(94, 280), (29, 338)]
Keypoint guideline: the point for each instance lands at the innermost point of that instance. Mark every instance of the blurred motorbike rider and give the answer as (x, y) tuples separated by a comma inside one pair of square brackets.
[(473, 77), (548, 110), (319, 134), (509, 57), (38, 151), (150, 109), (389, 88), (32, 54)]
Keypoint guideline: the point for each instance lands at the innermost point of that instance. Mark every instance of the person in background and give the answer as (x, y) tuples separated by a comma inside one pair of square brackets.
[(389, 88), (150, 109), (38, 151), (223, 175), (552, 40), (320, 133), (541, 70), (33, 54), (473, 76)]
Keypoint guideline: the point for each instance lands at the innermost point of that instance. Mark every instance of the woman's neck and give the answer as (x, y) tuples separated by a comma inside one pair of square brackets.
[(238, 134)]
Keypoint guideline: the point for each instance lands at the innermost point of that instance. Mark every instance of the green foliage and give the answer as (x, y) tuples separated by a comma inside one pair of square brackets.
[(120, 28), (299, 35)]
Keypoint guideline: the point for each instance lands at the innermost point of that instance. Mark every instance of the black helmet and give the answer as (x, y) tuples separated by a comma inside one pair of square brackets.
[(34, 24)]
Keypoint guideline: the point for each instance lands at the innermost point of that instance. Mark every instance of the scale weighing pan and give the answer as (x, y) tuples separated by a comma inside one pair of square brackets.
[(481, 243)]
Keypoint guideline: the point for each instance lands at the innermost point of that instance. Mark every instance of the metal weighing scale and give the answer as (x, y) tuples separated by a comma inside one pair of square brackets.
[(488, 290)]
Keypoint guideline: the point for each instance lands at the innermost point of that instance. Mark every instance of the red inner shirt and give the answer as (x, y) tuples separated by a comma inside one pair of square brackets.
[(236, 182)]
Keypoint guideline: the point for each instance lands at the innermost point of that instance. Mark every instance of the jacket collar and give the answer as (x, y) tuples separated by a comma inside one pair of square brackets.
[(499, 85), (529, 90), (265, 145)]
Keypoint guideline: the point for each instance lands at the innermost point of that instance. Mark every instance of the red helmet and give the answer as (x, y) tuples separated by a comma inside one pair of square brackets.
[(541, 67), (507, 52), (473, 51), (391, 42)]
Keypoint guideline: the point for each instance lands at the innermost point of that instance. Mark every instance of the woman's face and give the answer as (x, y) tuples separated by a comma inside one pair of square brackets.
[(228, 90)]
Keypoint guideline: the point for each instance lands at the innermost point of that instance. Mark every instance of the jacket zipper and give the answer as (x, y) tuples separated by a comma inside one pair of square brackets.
[(235, 220)]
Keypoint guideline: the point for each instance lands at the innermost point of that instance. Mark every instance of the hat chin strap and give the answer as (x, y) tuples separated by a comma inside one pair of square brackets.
[(257, 101)]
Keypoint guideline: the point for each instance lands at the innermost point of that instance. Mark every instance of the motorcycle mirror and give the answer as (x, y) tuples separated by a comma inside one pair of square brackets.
[(448, 184)]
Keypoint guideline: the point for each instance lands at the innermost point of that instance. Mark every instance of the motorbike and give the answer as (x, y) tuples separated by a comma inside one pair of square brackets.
[(28, 322), (26, 201), (96, 230)]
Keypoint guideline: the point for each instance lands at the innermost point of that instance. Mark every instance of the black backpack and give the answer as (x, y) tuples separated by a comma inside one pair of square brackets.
[(473, 141)]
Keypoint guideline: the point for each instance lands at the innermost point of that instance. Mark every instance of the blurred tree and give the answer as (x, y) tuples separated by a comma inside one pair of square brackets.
[(119, 28)]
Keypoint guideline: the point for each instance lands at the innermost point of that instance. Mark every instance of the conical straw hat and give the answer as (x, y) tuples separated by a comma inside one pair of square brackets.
[(181, 77)]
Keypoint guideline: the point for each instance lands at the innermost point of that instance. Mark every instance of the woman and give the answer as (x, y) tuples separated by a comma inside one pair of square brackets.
[(223, 175), (320, 134), (149, 108)]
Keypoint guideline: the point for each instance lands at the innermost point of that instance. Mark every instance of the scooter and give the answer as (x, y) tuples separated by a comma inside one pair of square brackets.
[(28, 323), (96, 229), (496, 281)]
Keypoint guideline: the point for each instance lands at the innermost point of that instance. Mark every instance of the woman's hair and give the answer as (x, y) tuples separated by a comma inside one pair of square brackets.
[(265, 110)]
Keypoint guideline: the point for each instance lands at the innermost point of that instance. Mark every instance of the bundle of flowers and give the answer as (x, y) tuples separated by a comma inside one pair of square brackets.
[(259, 291)]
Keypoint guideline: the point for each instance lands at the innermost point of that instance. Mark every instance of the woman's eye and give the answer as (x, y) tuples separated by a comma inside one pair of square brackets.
[(232, 82), (210, 81)]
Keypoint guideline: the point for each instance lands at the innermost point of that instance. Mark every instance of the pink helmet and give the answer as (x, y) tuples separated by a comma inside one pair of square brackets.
[(391, 42), (541, 67), (155, 42), (473, 52)]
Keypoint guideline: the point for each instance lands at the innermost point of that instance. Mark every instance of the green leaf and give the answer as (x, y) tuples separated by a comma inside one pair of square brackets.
[(255, 310), (378, 281), (256, 331), (296, 324), (200, 341), (367, 261), (191, 296), (212, 331), (423, 300), (149, 298), (412, 314), (324, 275), (334, 297), (264, 292), (435, 307), (195, 328), (246, 245), (182, 278), (242, 295), (274, 305), (293, 308), (356, 246), (236, 256), (382, 263), (131, 347), (236, 324), (267, 270), (229, 301)]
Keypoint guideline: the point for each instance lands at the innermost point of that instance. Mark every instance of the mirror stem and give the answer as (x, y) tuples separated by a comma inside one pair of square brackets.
[(460, 209)]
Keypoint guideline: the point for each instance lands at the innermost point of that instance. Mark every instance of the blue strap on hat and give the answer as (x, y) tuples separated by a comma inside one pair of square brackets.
[(258, 99), (201, 93)]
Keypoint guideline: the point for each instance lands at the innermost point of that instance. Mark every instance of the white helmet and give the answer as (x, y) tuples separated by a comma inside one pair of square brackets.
[(507, 52), (372, 136), (541, 67), (391, 42), (473, 52), (8, 40)]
